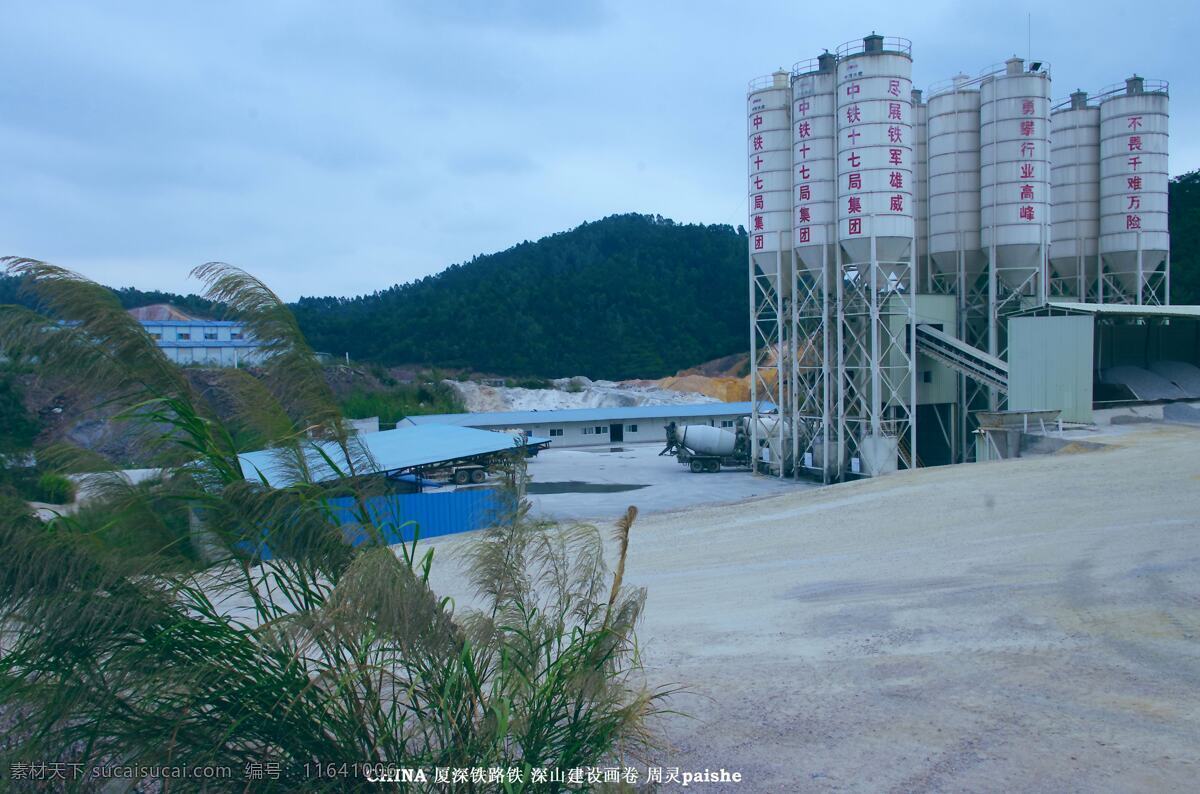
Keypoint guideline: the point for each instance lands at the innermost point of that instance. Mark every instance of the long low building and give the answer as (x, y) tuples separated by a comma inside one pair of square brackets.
[(580, 427)]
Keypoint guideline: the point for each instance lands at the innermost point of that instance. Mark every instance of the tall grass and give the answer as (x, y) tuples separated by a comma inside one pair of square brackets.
[(147, 630), (401, 400)]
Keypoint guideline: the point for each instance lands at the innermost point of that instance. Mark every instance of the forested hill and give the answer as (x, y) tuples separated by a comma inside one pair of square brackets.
[(1184, 213), (627, 296)]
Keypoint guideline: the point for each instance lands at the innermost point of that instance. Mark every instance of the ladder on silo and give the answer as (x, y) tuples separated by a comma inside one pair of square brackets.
[(961, 357)]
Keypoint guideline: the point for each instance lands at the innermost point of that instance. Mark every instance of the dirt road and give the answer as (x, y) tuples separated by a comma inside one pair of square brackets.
[(1022, 625), (1027, 625)]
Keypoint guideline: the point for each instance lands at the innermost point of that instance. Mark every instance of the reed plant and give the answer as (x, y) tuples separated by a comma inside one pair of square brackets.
[(152, 628)]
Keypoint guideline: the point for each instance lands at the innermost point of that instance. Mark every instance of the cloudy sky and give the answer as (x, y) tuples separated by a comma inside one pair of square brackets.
[(339, 148)]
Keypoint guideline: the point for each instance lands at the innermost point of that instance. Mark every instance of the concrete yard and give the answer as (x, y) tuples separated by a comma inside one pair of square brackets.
[(587, 483), (1028, 625)]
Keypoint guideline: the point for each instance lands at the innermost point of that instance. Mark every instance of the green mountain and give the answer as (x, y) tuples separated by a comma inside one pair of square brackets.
[(628, 296), (625, 297)]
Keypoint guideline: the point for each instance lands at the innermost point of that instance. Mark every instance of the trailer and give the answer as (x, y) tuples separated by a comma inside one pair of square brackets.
[(473, 473)]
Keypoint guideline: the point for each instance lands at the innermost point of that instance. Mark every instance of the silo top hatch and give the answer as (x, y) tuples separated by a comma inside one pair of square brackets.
[(825, 63), (876, 45), (1133, 86), (776, 79)]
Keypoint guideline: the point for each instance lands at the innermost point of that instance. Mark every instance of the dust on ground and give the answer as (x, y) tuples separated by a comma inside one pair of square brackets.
[(1028, 625)]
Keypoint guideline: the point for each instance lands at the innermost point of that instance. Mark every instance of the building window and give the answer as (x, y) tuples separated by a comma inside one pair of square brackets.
[(183, 336), (603, 429), (210, 335), (587, 431), (556, 431), (726, 423), (927, 376), (630, 428), (235, 335)]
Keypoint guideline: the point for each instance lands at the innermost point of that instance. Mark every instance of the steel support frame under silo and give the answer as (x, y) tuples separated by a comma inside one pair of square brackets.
[(1078, 287), (1004, 300), (971, 301), (876, 367), (1153, 288), (771, 371), (973, 328), (812, 416)]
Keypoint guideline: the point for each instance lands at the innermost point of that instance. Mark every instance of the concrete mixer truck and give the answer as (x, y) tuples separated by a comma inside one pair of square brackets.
[(706, 449)]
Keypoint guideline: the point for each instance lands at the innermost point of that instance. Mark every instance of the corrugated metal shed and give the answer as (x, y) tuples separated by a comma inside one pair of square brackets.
[(399, 517), (397, 450), (1050, 365), (1114, 309), (564, 415)]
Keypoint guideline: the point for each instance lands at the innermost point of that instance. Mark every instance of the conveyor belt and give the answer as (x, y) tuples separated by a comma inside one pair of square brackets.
[(961, 357)]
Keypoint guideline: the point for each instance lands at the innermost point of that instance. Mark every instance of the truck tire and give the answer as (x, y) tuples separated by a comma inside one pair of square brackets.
[(461, 477), (478, 475), (697, 466), (713, 466)]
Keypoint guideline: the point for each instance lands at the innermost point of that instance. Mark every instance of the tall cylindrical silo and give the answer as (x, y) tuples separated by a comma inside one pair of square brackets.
[(814, 187), (1014, 117), (920, 112), (875, 149), (1134, 239), (954, 182), (769, 146), (1075, 193)]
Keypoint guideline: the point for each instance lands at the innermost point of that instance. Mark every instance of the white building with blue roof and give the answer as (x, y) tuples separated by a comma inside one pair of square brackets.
[(585, 427), (191, 340)]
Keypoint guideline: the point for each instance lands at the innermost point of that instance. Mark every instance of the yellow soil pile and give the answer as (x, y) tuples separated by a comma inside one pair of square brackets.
[(726, 389)]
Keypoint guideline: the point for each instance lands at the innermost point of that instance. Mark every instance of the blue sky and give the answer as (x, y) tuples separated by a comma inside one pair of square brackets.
[(340, 148)]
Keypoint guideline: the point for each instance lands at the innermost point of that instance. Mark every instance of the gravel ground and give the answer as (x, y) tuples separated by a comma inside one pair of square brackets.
[(1027, 625), (664, 484)]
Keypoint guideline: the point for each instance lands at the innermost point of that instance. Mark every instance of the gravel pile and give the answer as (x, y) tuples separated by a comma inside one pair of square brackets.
[(1144, 384)]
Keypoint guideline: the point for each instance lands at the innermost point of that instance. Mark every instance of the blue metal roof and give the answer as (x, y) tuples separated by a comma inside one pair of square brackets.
[(402, 449), (562, 415)]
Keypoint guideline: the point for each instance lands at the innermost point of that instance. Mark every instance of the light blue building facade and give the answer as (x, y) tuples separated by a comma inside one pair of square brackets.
[(589, 427), (209, 343)]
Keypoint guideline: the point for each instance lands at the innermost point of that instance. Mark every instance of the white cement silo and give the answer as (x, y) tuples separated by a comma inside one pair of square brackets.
[(1134, 240), (814, 185), (769, 155), (876, 288), (875, 149), (1075, 193), (1015, 175), (954, 239), (814, 235), (921, 186)]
